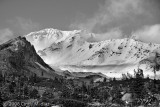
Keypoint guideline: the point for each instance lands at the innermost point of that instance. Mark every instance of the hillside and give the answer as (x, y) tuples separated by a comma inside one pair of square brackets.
[(19, 56)]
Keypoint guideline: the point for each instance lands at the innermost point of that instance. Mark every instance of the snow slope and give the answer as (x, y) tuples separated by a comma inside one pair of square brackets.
[(71, 49)]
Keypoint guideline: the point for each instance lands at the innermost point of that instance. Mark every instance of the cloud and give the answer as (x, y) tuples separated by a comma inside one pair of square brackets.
[(18, 27), (22, 26), (126, 15), (5, 34), (112, 34), (149, 34)]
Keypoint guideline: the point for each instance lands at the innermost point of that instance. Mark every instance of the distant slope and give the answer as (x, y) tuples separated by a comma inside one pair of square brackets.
[(80, 74), (72, 51)]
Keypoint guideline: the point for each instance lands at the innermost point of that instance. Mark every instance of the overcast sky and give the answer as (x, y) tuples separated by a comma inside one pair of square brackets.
[(105, 17)]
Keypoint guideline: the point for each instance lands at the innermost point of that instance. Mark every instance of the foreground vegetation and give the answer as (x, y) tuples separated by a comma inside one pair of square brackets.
[(130, 91)]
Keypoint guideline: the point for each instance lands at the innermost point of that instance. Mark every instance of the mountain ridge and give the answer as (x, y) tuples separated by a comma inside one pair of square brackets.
[(19, 56), (71, 48)]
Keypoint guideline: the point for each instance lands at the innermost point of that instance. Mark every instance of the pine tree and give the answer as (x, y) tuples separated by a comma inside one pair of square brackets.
[(105, 79), (11, 88), (26, 90), (1, 101), (42, 73), (137, 86), (34, 93)]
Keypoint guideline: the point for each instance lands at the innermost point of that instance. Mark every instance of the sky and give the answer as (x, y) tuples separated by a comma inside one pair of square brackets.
[(109, 19)]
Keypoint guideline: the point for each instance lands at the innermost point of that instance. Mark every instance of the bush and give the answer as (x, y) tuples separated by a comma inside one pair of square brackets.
[(69, 102), (34, 94)]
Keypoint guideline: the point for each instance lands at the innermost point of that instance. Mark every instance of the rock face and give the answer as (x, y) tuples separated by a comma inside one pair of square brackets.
[(19, 56), (71, 48)]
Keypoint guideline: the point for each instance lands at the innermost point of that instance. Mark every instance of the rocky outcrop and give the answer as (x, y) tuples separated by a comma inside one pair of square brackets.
[(19, 56)]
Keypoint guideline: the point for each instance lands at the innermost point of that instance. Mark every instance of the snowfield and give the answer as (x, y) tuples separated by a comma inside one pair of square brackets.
[(72, 50)]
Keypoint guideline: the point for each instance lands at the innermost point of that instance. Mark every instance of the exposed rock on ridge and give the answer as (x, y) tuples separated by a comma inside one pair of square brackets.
[(19, 56)]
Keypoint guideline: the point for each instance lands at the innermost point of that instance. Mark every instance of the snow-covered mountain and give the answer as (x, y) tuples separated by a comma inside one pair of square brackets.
[(72, 50)]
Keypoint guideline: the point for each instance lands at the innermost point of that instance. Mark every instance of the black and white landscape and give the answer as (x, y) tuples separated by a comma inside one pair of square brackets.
[(80, 53)]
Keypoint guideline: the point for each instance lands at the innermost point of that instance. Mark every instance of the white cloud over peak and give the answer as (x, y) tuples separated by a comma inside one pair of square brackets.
[(23, 26), (5, 34), (112, 34), (149, 34), (18, 27), (127, 16), (114, 10)]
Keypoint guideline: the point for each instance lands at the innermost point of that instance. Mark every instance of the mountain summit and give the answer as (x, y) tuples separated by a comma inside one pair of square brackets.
[(71, 50)]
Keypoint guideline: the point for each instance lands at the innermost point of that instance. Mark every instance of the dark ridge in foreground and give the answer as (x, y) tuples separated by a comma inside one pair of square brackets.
[(19, 56)]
